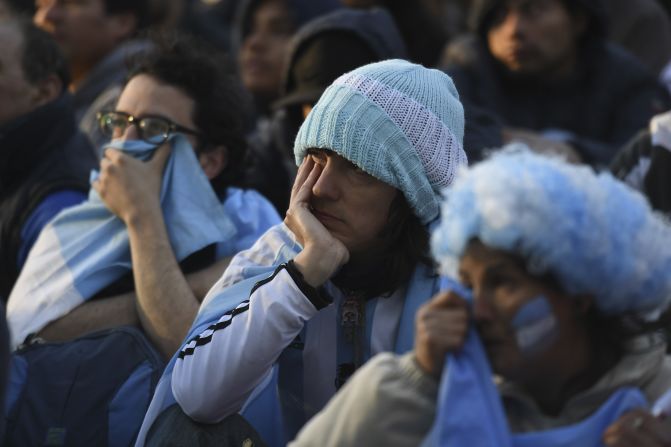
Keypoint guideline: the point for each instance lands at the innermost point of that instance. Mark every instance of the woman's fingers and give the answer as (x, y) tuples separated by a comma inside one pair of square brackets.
[(304, 171), (305, 191)]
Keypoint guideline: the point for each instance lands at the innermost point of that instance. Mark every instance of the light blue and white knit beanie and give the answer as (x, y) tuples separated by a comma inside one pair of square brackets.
[(594, 234), (400, 122)]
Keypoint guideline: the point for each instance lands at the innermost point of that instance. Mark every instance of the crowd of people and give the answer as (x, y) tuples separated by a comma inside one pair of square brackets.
[(323, 222)]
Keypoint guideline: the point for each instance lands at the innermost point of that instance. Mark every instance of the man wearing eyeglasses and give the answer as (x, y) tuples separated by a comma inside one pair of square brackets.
[(179, 91)]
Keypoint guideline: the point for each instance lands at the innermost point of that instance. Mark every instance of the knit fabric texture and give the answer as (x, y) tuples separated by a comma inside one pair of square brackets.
[(400, 122), (594, 234)]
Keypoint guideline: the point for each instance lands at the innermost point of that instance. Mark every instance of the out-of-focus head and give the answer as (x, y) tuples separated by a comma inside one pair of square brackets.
[(534, 38), (195, 87), (267, 28), (400, 122), (88, 30), (589, 231), (527, 322), (33, 70), (521, 228), (358, 37)]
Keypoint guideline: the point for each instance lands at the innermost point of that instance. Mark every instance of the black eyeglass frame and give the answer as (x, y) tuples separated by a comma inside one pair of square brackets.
[(133, 120)]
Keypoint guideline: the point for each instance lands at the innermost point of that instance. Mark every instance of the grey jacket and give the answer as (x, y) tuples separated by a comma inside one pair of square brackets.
[(391, 402)]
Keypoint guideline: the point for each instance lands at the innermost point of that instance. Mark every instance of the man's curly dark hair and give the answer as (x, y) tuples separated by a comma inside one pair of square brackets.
[(222, 106)]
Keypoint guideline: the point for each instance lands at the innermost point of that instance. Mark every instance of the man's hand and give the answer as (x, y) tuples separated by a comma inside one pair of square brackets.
[(541, 145), (322, 253), (440, 327), (130, 187), (639, 428)]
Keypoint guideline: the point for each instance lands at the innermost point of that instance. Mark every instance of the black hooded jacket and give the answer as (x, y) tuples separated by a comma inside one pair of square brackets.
[(377, 38), (606, 101), (41, 153)]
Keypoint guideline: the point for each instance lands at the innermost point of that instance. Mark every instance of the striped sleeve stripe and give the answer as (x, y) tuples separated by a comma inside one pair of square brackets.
[(206, 336)]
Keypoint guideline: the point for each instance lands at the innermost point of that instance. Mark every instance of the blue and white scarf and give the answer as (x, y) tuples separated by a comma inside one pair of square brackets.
[(470, 411), (85, 248)]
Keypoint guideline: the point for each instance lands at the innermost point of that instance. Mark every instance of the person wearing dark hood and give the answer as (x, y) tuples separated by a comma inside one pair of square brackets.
[(262, 33), (358, 37), (44, 161), (265, 28), (423, 33), (544, 71)]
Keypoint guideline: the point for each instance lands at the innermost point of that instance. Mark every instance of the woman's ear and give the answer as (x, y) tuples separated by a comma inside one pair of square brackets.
[(214, 161)]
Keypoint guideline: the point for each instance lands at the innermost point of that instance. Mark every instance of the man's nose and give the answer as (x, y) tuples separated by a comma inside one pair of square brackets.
[(256, 40), (514, 24), (49, 11), (130, 133)]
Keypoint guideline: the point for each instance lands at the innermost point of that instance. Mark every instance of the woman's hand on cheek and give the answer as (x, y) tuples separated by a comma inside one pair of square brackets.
[(322, 253)]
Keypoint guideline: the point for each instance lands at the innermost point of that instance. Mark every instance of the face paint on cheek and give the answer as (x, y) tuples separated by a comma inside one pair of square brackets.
[(536, 326)]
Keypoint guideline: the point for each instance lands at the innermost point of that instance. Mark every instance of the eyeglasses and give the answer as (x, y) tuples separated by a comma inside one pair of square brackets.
[(152, 129)]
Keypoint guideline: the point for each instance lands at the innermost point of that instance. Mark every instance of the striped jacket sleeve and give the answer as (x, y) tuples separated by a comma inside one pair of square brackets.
[(217, 371)]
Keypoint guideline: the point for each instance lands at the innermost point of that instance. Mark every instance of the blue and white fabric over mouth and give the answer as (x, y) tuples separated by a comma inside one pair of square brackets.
[(86, 248)]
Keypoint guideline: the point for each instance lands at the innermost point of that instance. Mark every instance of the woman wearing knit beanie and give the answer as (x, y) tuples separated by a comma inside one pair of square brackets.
[(562, 271), (341, 280)]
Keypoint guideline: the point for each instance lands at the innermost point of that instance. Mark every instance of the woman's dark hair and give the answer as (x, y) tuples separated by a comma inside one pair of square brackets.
[(405, 242), (221, 106), (610, 334)]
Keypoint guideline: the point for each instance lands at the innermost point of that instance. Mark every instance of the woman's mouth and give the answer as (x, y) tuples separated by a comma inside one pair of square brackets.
[(325, 217)]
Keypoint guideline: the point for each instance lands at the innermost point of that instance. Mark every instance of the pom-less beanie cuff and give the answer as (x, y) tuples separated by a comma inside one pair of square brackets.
[(400, 122)]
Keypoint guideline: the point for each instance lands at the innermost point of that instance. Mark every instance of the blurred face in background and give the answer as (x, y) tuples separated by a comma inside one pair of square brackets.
[(83, 30), (501, 288), (263, 49), (17, 95), (533, 38)]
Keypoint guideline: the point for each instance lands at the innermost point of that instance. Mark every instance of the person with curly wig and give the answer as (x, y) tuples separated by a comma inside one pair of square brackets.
[(564, 272)]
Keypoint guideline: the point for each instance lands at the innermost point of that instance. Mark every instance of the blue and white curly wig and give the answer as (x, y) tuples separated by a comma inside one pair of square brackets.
[(591, 232)]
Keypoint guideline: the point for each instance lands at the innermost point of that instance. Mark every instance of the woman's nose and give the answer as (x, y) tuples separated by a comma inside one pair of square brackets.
[(328, 184)]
